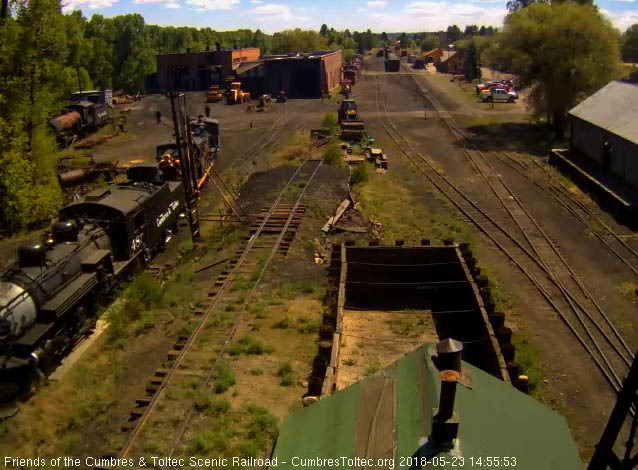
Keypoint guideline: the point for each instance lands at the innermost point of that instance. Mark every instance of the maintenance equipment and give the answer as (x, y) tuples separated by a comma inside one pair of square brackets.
[(236, 95), (214, 94), (351, 126)]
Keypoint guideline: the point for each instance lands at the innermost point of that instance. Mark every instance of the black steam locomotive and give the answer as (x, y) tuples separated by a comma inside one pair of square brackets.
[(47, 298)]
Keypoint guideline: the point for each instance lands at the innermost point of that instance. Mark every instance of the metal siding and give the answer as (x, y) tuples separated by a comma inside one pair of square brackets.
[(587, 139)]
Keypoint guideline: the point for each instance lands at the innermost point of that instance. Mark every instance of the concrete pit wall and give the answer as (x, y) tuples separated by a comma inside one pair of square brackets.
[(443, 279)]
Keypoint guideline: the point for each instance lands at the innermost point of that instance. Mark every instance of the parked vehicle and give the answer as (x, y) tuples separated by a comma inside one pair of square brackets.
[(78, 120), (236, 95), (214, 94), (499, 95)]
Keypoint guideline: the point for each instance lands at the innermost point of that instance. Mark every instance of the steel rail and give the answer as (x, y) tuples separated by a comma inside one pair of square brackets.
[(239, 315), (489, 234), (200, 326)]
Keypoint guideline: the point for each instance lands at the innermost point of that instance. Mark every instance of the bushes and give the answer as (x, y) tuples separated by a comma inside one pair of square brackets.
[(249, 346), (285, 373), (330, 121), (225, 378), (359, 175), (332, 155)]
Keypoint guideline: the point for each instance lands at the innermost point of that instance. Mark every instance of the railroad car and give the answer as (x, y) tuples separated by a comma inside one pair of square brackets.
[(392, 63), (79, 119), (48, 296)]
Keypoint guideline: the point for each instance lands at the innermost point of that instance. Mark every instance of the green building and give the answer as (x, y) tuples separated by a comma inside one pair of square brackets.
[(390, 420)]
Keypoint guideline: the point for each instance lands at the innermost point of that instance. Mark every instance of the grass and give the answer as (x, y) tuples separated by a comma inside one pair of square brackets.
[(332, 155), (360, 174), (290, 290), (225, 378), (256, 371), (349, 362), (386, 199), (308, 327), (249, 346), (628, 290), (526, 358), (285, 373), (407, 326), (241, 283), (282, 324)]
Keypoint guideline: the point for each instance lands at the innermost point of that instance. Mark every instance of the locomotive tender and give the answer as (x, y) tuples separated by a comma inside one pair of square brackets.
[(47, 298)]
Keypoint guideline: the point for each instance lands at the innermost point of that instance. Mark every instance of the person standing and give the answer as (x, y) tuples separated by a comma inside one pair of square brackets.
[(207, 111), (158, 116)]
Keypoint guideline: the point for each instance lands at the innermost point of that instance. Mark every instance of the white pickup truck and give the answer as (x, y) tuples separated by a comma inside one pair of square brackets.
[(498, 95)]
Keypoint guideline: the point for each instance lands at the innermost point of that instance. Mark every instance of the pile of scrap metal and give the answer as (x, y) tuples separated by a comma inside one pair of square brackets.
[(70, 177), (319, 133), (352, 127), (122, 98)]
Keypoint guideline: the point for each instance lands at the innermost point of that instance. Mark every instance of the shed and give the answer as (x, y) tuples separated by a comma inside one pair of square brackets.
[(604, 130), (390, 415), (449, 62)]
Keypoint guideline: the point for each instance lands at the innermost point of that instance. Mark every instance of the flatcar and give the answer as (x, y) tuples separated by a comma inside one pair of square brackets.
[(48, 296)]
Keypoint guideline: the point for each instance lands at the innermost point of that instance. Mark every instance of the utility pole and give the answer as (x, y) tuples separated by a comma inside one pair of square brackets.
[(181, 128)]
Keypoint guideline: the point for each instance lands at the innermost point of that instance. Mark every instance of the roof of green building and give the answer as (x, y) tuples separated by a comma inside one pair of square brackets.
[(389, 415)]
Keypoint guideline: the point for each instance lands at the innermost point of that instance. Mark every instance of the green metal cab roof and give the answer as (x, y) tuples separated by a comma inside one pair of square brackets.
[(389, 416)]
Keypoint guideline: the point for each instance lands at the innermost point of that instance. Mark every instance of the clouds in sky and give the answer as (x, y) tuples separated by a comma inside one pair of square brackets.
[(209, 5), (69, 5), (378, 15)]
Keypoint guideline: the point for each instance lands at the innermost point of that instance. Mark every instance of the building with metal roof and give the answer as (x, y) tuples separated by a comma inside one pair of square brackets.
[(453, 415), (604, 129)]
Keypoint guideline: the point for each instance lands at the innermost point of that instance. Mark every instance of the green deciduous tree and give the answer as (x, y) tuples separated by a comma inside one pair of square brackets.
[(630, 44), (562, 51)]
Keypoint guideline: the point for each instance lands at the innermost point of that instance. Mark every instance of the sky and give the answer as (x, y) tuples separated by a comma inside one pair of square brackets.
[(356, 15)]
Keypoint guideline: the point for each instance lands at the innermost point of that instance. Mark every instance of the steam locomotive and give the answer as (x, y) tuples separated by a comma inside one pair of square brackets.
[(48, 297)]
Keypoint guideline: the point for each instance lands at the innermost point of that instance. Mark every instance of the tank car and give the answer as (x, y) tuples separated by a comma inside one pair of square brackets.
[(48, 296)]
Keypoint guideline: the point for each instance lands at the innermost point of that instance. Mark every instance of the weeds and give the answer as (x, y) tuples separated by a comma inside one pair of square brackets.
[(256, 371), (285, 374), (281, 324), (224, 378), (359, 175), (526, 358), (249, 346), (307, 327), (332, 155)]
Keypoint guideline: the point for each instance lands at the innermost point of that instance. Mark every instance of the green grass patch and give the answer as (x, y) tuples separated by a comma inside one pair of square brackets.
[(408, 326), (285, 373), (241, 283), (332, 155), (307, 326), (249, 346), (225, 378), (256, 371), (526, 357), (360, 174), (628, 290), (282, 324)]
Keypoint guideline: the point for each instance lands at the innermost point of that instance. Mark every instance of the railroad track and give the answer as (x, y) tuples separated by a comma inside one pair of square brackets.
[(527, 167), (195, 359), (278, 125), (522, 239)]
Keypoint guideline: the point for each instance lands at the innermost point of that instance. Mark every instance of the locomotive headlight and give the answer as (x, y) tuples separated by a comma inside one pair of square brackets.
[(17, 310)]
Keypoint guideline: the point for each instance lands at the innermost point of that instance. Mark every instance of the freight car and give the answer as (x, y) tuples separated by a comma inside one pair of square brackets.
[(79, 119), (48, 296), (392, 63)]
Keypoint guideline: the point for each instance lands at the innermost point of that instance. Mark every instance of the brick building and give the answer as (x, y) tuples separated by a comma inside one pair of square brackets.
[(196, 71), (302, 75)]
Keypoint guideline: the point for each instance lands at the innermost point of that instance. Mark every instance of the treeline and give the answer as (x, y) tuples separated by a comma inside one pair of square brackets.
[(46, 54)]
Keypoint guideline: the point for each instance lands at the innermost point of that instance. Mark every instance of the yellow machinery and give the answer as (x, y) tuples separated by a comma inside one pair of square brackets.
[(214, 94), (351, 126), (236, 95)]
